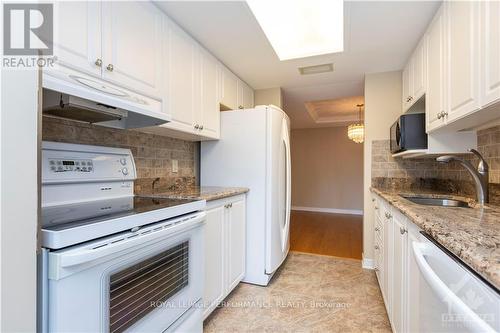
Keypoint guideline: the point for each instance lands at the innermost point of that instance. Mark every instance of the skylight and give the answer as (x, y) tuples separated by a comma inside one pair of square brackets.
[(301, 28)]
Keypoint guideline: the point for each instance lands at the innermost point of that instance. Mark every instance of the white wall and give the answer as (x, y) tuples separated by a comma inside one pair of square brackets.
[(327, 170), (18, 200), (269, 96), (382, 107)]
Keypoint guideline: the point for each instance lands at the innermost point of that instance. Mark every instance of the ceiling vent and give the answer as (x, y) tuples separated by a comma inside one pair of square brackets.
[(316, 69)]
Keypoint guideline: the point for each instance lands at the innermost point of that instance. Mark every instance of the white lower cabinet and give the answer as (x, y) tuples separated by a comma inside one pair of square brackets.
[(225, 246), (393, 235), (399, 264)]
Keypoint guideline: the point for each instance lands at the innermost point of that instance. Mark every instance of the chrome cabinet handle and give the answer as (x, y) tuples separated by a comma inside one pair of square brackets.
[(240, 107), (376, 269), (98, 62), (377, 229), (376, 207), (373, 199), (388, 215), (110, 67), (442, 114), (231, 205), (402, 230), (376, 247), (196, 126), (201, 127)]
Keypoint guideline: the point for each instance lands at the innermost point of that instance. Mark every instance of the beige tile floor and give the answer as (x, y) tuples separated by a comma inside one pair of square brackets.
[(310, 293)]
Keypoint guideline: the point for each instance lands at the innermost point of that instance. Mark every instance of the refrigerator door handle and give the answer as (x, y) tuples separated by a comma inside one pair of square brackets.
[(288, 199)]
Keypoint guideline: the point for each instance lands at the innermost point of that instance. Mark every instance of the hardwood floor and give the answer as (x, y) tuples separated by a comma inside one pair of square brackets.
[(327, 234)]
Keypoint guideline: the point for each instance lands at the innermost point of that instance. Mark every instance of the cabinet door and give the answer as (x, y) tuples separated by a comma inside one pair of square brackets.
[(132, 45), (398, 278), (413, 310), (182, 71), (491, 52), (246, 96), (387, 262), (236, 243), (463, 58), (209, 109), (406, 86), (229, 89), (379, 253), (419, 71), (77, 35), (436, 79), (214, 259)]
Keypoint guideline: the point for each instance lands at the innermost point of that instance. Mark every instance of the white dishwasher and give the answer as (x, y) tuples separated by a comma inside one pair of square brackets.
[(446, 296)]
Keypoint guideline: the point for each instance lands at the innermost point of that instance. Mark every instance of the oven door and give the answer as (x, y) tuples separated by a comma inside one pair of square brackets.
[(134, 281)]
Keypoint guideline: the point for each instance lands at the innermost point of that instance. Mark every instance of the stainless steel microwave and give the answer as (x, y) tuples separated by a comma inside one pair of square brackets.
[(408, 133)]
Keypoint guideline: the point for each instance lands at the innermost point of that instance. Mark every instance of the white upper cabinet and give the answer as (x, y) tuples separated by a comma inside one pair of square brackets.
[(229, 89), (245, 96), (419, 71), (462, 35), (77, 35), (435, 95), (132, 47), (235, 94), (116, 41), (406, 81), (491, 48), (191, 93), (209, 114), (463, 66), (414, 76), (180, 62)]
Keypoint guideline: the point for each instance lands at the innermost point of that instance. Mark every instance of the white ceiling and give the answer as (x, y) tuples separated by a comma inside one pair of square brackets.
[(379, 36)]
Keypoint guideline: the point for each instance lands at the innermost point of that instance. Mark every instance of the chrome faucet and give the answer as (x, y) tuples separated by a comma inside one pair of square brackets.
[(480, 176)]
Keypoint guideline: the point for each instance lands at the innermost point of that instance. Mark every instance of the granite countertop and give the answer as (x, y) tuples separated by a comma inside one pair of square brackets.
[(472, 234), (207, 193)]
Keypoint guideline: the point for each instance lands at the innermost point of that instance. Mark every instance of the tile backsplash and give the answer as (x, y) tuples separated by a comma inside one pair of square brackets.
[(427, 173), (153, 154)]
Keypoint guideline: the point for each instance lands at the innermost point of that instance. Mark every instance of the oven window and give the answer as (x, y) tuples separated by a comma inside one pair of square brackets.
[(136, 290)]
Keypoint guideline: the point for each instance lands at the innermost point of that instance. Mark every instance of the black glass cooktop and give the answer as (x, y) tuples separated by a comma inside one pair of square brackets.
[(72, 215)]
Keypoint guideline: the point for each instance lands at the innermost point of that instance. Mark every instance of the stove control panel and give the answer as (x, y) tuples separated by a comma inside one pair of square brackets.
[(73, 165), (65, 163)]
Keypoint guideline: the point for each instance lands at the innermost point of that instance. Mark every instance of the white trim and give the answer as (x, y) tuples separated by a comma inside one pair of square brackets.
[(329, 210), (368, 263)]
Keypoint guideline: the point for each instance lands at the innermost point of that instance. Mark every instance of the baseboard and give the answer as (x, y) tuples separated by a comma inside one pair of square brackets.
[(368, 263), (329, 210)]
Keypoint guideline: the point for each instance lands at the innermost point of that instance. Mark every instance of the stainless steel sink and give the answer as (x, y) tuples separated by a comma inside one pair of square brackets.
[(443, 202)]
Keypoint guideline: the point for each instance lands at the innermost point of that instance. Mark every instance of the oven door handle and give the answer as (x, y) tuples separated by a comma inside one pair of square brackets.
[(88, 254)]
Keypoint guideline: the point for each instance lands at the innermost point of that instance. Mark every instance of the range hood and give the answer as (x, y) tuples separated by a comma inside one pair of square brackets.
[(86, 99)]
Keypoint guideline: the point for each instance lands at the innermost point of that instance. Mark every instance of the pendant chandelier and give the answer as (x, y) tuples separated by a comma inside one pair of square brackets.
[(356, 132)]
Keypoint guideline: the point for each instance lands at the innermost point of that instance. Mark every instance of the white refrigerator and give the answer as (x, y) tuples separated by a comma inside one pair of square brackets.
[(254, 152)]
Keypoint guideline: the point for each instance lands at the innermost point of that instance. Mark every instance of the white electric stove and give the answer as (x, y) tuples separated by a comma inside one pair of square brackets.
[(112, 261)]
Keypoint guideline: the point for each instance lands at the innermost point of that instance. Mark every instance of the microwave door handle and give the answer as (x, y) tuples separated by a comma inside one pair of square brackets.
[(443, 292), (89, 254)]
